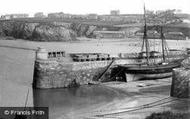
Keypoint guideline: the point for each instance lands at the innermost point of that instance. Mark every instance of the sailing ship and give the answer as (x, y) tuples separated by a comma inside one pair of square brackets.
[(149, 67)]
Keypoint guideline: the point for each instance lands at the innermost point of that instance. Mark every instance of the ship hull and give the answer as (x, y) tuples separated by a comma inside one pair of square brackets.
[(138, 72), (136, 77)]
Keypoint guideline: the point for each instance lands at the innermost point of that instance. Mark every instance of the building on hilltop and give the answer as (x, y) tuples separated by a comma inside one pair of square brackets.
[(12, 16), (59, 15), (55, 15), (39, 15), (92, 16), (114, 12)]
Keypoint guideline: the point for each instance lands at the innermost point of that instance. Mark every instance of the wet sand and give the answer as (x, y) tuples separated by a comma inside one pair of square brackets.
[(113, 46), (112, 100)]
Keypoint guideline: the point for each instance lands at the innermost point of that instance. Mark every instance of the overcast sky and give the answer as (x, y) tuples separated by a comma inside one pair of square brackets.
[(89, 6)]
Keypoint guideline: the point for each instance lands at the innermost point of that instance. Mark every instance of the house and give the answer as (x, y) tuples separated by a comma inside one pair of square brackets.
[(39, 15), (55, 15), (92, 16), (114, 12)]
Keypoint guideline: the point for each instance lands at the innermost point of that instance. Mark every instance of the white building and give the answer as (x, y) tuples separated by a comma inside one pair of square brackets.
[(114, 12), (12, 16), (39, 15)]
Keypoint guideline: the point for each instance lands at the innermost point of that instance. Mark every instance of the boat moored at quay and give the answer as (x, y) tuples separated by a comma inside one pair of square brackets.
[(153, 64)]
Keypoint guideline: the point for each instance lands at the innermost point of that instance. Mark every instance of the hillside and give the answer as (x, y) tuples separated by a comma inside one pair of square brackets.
[(46, 31), (38, 29)]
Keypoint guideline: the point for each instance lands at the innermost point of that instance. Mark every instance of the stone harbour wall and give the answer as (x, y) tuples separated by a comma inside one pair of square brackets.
[(180, 83), (54, 74)]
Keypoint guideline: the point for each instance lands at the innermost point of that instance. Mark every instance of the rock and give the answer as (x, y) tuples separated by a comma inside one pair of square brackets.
[(49, 32), (186, 63), (7, 28), (91, 29), (1, 31), (37, 31), (83, 30), (28, 30)]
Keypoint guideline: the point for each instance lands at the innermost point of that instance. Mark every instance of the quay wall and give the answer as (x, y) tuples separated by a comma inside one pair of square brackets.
[(54, 74), (58, 70), (180, 87)]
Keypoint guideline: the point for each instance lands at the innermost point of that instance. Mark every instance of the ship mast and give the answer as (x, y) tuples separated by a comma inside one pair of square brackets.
[(145, 39), (163, 46)]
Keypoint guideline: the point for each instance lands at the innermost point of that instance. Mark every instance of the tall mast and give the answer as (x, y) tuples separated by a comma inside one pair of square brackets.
[(145, 39), (163, 46)]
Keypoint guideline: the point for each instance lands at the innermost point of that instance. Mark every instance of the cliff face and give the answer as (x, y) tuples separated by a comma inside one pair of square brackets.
[(83, 30), (56, 31), (37, 31), (44, 32)]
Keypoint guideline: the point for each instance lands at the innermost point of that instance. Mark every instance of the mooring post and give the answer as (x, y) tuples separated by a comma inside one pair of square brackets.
[(41, 54)]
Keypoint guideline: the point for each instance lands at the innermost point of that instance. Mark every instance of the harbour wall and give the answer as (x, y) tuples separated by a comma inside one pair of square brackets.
[(180, 87), (52, 74), (60, 72)]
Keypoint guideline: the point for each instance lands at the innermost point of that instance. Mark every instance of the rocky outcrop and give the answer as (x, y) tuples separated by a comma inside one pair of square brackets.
[(180, 83), (37, 31), (6, 28), (83, 29), (17, 29), (28, 30), (56, 31), (186, 63), (180, 87), (47, 32)]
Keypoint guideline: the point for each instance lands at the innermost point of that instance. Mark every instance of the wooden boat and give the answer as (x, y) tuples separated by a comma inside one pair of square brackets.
[(156, 71), (147, 67)]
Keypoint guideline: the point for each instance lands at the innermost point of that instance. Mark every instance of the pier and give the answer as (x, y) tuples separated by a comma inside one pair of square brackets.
[(58, 69)]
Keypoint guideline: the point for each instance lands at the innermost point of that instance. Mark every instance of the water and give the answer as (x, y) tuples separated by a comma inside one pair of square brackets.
[(75, 100)]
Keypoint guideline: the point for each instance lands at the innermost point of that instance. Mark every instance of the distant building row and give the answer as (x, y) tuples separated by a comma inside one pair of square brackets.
[(114, 16), (13, 16)]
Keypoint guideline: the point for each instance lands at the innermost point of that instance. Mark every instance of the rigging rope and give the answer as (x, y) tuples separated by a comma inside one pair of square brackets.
[(26, 101)]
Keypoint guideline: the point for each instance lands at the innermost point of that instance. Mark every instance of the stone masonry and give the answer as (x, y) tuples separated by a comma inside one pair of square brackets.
[(180, 83), (54, 74)]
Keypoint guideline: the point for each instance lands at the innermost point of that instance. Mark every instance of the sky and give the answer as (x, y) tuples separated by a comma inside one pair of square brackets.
[(90, 6)]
